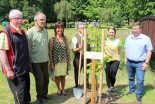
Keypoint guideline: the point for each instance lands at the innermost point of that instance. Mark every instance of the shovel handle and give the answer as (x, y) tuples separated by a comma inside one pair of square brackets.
[(79, 71)]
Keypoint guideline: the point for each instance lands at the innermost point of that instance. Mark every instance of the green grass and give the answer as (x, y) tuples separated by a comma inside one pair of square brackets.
[(6, 96)]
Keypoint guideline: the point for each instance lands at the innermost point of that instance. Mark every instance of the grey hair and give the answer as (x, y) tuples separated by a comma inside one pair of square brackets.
[(80, 24), (13, 11), (37, 14), (138, 24)]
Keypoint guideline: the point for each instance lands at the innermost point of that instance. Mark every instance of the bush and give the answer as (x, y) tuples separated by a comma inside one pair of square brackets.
[(50, 26), (27, 26), (129, 26), (71, 25), (152, 60)]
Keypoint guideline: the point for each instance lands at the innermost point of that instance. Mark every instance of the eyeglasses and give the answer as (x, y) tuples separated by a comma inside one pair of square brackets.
[(42, 19), (17, 18)]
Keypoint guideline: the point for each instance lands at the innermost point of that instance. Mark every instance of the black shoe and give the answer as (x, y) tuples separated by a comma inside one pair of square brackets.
[(39, 101), (129, 93), (87, 85), (112, 89), (139, 98), (46, 97), (75, 86)]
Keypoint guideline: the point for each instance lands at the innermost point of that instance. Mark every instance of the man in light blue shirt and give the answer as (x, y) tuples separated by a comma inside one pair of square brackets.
[(138, 51)]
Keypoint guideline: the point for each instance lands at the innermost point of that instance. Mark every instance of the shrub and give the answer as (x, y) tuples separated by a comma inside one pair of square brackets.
[(129, 26), (50, 26)]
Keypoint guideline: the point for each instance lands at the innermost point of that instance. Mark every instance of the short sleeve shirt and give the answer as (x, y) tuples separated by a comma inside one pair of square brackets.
[(137, 47), (3, 41), (111, 49), (74, 42)]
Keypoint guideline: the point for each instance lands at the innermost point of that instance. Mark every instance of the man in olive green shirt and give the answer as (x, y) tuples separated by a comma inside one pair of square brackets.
[(38, 48)]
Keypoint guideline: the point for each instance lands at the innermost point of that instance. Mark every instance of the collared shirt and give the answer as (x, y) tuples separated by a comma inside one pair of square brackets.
[(38, 44), (74, 42), (137, 47), (16, 28), (3, 41), (3, 38)]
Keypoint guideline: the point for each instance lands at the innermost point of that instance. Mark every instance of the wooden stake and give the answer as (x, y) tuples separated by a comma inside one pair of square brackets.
[(93, 80), (101, 71), (85, 63)]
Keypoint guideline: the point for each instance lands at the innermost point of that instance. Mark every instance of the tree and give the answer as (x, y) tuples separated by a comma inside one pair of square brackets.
[(63, 10), (4, 10), (77, 7), (118, 18), (29, 11), (106, 14)]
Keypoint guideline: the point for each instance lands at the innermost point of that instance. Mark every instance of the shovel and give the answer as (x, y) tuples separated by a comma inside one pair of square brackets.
[(77, 91)]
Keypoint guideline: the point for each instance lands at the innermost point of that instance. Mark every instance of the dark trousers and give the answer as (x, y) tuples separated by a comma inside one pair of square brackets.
[(76, 63), (40, 72), (20, 87), (111, 70)]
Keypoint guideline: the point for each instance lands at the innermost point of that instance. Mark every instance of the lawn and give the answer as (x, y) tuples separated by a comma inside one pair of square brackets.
[(121, 83)]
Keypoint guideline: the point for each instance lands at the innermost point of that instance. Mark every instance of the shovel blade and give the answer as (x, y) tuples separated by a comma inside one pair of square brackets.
[(77, 92)]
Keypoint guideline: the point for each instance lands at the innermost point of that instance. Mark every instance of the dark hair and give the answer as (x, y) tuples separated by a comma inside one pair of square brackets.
[(113, 28), (57, 25), (138, 24)]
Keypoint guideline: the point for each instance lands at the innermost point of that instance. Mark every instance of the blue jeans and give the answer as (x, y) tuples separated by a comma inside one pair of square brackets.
[(135, 68)]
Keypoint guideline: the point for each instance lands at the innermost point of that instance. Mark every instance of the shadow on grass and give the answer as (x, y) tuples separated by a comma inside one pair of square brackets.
[(148, 88), (121, 89), (54, 98), (117, 94), (120, 92)]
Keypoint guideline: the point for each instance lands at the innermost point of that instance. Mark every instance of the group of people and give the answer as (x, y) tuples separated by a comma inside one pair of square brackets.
[(21, 53)]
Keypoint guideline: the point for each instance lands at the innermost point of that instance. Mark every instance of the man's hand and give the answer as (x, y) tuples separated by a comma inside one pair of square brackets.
[(10, 74), (144, 66)]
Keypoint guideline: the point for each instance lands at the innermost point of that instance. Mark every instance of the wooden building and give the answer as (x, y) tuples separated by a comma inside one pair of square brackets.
[(148, 28)]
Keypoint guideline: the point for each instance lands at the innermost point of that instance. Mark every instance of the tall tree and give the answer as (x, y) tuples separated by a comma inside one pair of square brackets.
[(77, 7), (63, 10), (4, 9), (29, 11)]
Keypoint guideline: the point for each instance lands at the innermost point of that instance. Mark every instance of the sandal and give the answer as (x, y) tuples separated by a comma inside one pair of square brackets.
[(58, 92), (63, 93)]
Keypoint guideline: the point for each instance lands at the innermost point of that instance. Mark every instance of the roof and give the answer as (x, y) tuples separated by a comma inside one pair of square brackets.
[(147, 17)]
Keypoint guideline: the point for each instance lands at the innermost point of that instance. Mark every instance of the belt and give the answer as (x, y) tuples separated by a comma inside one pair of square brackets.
[(135, 61)]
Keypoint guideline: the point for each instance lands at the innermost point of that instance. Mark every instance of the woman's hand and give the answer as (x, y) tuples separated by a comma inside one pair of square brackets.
[(68, 65), (52, 67)]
